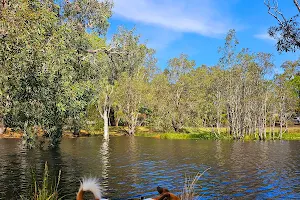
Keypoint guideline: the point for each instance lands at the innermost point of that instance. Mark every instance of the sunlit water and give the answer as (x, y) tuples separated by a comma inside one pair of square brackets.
[(133, 167)]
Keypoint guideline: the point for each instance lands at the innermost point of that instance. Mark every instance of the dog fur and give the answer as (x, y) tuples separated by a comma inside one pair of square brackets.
[(91, 185)]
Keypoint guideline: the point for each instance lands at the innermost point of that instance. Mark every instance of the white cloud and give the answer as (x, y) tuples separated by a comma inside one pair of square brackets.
[(204, 17), (264, 36), (158, 38)]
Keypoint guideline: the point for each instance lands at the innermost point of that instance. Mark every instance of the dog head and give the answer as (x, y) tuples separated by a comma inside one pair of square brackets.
[(161, 190), (165, 194)]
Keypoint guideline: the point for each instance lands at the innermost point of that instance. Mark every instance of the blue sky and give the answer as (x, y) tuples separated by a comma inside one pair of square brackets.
[(198, 27)]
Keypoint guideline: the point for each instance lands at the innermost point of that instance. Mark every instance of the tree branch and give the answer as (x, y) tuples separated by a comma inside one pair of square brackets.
[(275, 10), (297, 4), (104, 50)]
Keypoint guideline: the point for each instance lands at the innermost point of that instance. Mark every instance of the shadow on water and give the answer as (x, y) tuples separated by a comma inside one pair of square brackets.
[(134, 167), (17, 165)]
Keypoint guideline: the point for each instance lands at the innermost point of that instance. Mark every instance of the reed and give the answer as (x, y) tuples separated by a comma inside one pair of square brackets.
[(45, 190), (188, 192)]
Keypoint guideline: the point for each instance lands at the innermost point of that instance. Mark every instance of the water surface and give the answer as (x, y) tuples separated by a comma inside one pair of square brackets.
[(133, 167)]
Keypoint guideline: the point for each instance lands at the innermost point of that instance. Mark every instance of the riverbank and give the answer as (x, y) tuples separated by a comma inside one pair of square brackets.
[(207, 134), (188, 134), (200, 134), (211, 136)]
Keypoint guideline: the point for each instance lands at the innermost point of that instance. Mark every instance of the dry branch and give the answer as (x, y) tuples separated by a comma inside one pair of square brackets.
[(297, 4), (188, 192)]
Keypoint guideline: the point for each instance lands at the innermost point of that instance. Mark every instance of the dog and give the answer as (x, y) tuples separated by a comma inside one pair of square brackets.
[(92, 185)]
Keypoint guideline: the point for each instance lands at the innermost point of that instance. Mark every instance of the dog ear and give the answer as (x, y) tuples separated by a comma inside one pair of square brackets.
[(161, 190)]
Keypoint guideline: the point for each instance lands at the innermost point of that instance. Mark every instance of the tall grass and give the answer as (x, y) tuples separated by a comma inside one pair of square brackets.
[(185, 136), (291, 136), (188, 192), (45, 191)]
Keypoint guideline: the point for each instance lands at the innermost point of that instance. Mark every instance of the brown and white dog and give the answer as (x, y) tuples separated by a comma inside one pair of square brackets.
[(92, 185)]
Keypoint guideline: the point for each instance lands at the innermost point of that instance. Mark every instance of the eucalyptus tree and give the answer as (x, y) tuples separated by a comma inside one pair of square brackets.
[(216, 95), (88, 14), (160, 90), (92, 15), (296, 87), (286, 95), (227, 61), (246, 88), (135, 63), (32, 33), (101, 86), (263, 65), (132, 92), (42, 62), (124, 55), (176, 97), (200, 102)]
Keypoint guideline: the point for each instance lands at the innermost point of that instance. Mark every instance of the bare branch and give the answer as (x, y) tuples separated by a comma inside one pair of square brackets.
[(102, 49), (274, 11), (297, 4), (109, 51)]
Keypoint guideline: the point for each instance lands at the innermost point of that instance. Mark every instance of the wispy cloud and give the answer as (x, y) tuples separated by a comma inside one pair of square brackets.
[(157, 37), (204, 17), (264, 36)]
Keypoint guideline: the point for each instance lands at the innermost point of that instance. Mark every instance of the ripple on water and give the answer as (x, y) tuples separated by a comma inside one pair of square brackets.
[(134, 167)]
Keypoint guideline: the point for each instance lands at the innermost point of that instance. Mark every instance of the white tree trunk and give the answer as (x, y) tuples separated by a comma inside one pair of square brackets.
[(105, 119), (2, 126)]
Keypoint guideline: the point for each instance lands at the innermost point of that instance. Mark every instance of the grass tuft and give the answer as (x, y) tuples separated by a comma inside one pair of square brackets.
[(45, 191)]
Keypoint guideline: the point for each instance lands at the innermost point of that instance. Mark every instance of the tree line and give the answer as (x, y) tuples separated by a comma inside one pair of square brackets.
[(58, 69)]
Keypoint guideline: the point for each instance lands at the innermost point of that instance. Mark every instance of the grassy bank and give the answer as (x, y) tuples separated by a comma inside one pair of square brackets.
[(200, 134), (207, 134), (187, 134)]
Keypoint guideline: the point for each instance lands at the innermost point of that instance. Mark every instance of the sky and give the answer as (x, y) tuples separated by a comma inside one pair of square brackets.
[(198, 27)]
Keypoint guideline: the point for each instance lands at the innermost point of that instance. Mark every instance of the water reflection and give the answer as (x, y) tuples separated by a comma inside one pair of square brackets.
[(219, 153), (133, 167), (104, 157), (132, 153)]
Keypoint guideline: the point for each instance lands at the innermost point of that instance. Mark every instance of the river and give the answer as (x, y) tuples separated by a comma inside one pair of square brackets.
[(133, 167)]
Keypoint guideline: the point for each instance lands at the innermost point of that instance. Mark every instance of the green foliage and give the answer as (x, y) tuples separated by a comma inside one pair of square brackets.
[(93, 121), (132, 94), (29, 136), (47, 75), (91, 14), (172, 94), (291, 136), (132, 74)]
